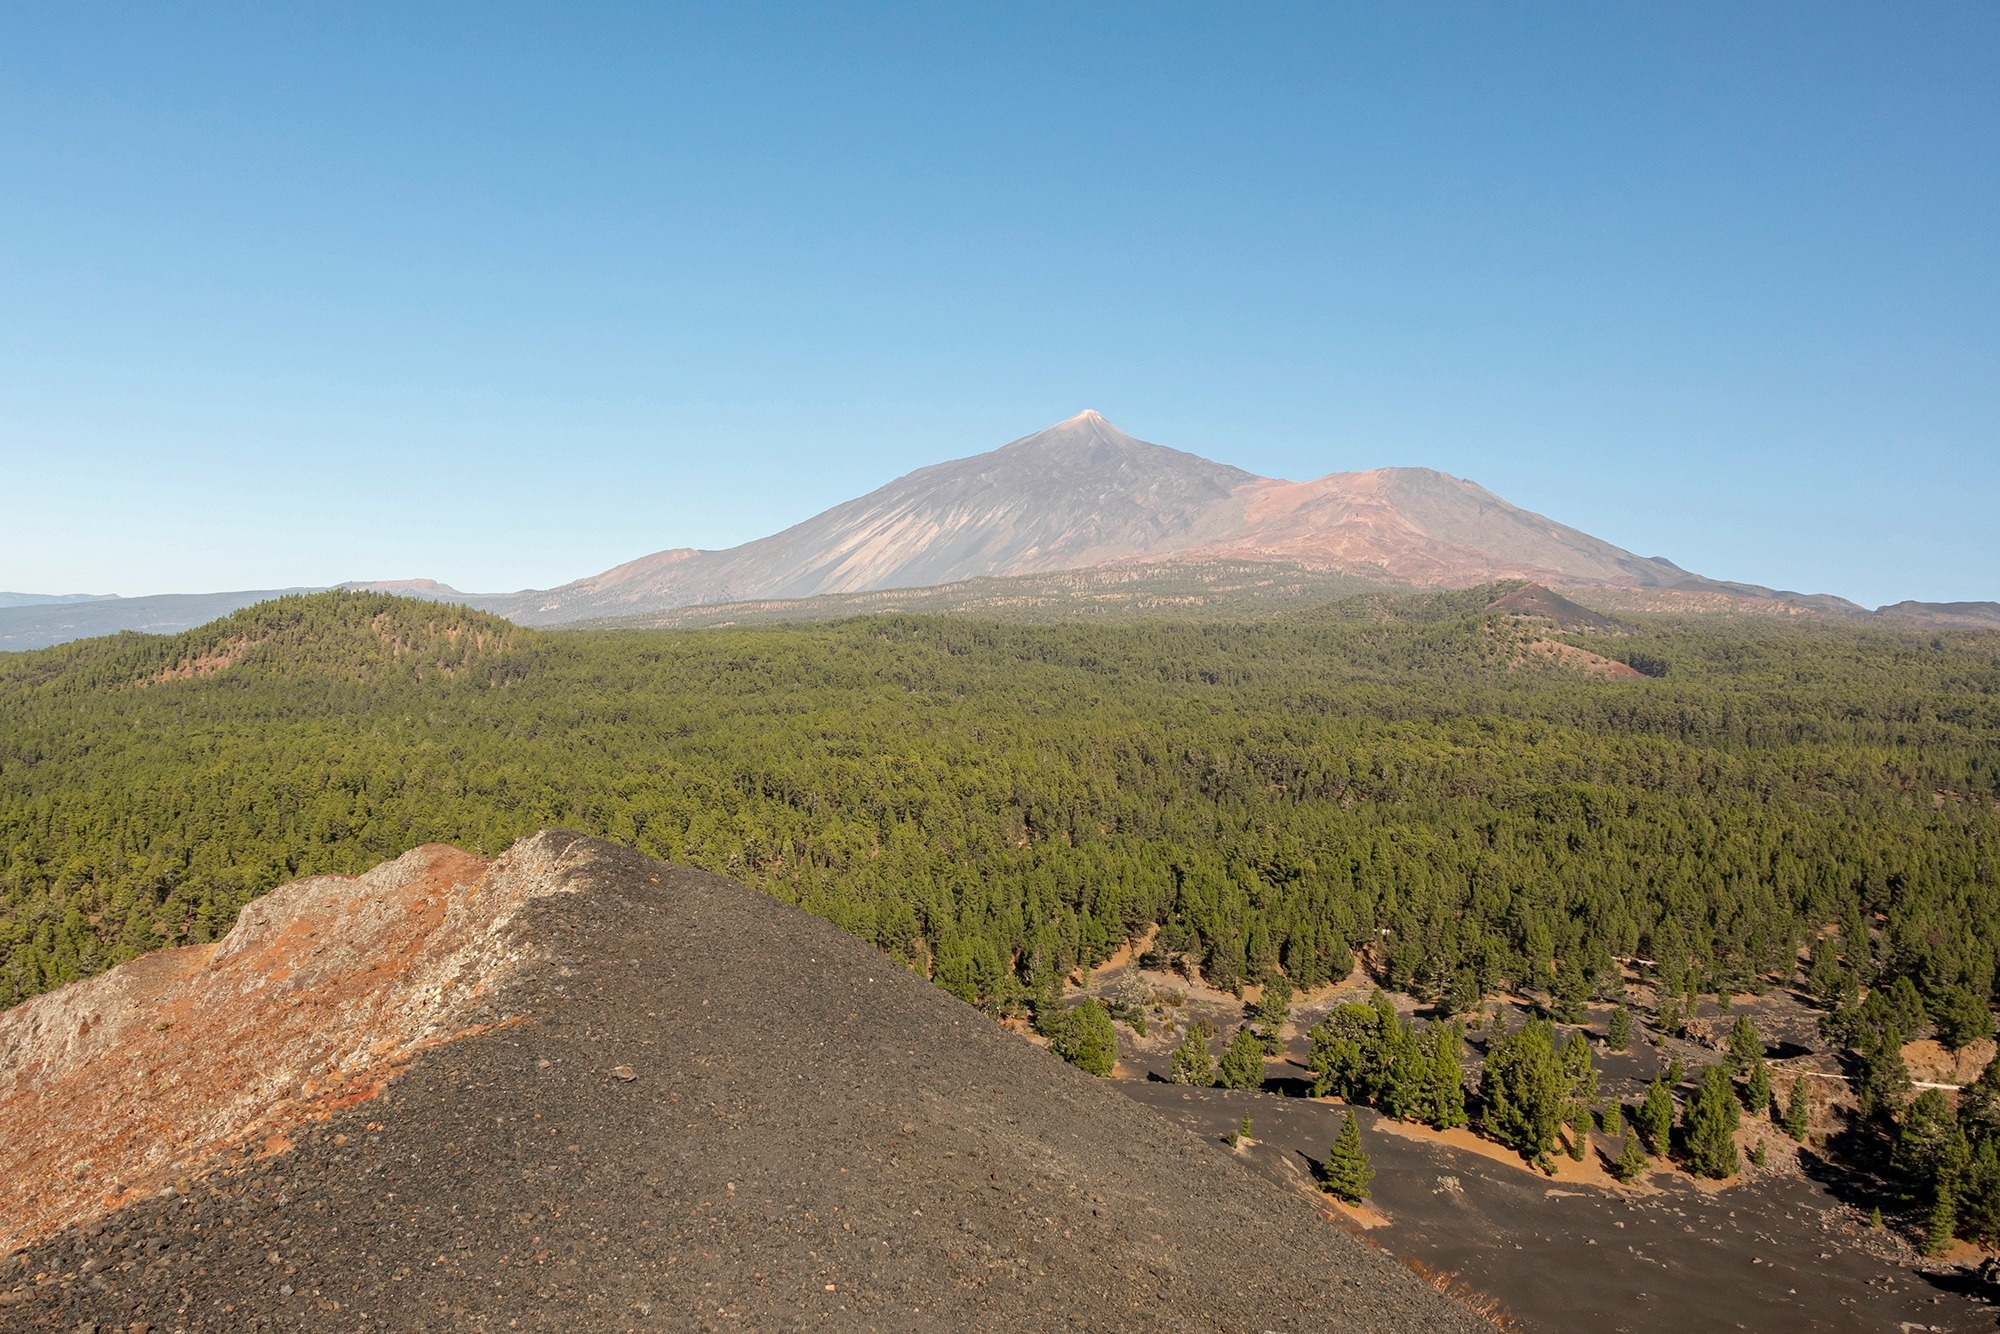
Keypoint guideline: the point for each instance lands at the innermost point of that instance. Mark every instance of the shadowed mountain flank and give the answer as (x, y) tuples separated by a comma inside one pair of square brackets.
[(683, 1104)]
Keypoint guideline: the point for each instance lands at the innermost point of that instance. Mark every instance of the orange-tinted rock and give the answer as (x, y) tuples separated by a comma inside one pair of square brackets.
[(115, 1087)]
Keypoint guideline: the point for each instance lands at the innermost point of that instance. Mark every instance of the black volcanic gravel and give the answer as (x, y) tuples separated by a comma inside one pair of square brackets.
[(720, 1112)]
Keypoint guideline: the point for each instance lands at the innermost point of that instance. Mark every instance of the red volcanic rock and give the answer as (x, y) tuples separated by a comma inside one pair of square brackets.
[(115, 1087)]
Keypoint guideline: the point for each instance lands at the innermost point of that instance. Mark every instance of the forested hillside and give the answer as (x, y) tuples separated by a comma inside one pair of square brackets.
[(996, 805)]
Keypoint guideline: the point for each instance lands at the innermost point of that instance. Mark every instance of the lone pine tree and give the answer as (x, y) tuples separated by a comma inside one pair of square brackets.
[(1757, 1093), (1346, 1171), (1631, 1160), (1618, 1036), (1656, 1117), (1192, 1064), (1085, 1037), (1798, 1110), (1709, 1122), (1243, 1063), (1746, 1048)]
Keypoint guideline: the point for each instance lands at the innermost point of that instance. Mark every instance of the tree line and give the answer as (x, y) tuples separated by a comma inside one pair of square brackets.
[(1393, 780)]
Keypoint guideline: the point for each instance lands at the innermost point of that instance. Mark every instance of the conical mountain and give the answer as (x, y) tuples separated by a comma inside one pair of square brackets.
[(1077, 494), (1082, 494)]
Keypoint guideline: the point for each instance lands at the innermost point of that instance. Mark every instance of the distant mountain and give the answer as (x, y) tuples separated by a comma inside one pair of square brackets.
[(1089, 516), (1968, 615), (48, 599), (38, 625), (428, 589), (1083, 494), (1079, 494)]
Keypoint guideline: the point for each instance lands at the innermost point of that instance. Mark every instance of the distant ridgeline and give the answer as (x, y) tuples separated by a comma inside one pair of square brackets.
[(1472, 799)]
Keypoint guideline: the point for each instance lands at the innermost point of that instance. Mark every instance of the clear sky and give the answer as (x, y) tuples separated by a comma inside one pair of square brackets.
[(503, 296)]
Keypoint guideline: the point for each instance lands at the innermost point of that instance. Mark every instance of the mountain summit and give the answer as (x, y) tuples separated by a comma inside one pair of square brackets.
[(1080, 493), (1083, 494)]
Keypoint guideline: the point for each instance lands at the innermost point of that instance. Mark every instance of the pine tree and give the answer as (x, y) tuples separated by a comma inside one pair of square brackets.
[(1757, 1093), (1346, 1172), (1192, 1064), (1798, 1111), (1746, 1048), (1086, 1038), (1618, 1036), (1979, 1103), (1580, 1075), (1274, 1010), (1931, 1149), (1709, 1124), (1404, 1067), (1631, 1160), (1977, 1199), (1443, 1103), (1243, 1063), (1668, 1016), (1941, 1224), (1523, 1092), (1656, 1117), (1614, 1118), (1885, 1080)]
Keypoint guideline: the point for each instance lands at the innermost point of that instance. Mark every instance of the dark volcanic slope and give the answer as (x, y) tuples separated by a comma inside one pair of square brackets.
[(717, 1111)]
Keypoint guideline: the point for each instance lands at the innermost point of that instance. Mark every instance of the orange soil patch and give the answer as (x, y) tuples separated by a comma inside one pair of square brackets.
[(1930, 1061), (1589, 1172), (1364, 1215), (1578, 659), (114, 1087), (1127, 953)]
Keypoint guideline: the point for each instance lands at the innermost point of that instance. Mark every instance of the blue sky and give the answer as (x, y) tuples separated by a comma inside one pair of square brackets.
[(503, 296)]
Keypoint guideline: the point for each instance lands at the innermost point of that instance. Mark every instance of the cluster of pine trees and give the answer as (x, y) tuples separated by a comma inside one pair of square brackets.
[(1394, 781)]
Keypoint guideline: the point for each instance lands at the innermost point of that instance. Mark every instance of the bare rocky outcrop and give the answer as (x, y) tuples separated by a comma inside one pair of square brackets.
[(112, 1088)]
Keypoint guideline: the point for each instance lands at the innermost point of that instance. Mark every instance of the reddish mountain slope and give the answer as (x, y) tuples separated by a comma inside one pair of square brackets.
[(1083, 494)]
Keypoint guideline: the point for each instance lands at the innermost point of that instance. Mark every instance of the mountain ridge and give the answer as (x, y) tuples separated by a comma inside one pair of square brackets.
[(1079, 501), (590, 1090), (1084, 494)]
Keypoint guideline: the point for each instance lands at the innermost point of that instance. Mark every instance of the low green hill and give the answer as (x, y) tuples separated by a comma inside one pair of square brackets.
[(996, 804)]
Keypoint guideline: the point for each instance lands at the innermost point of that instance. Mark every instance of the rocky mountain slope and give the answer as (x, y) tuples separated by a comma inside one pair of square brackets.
[(1083, 494), (579, 1089), (1079, 494)]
